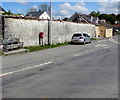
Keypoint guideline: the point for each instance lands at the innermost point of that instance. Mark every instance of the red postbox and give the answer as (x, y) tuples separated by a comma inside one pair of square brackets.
[(41, 34)]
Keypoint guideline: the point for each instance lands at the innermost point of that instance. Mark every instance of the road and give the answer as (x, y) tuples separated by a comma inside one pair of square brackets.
[(73, 71)]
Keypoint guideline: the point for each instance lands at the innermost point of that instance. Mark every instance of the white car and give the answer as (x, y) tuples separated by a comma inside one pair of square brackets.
[(81, 38)]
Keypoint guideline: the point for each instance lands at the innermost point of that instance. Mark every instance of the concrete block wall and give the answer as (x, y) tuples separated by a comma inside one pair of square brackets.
[(28, 30)]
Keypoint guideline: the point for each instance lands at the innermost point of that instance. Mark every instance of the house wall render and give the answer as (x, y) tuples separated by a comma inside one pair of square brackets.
[(109, 32), (28, 30), (97, 30)]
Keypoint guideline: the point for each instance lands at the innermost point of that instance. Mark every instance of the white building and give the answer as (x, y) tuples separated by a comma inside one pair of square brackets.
[(39, 14), (1, 10)]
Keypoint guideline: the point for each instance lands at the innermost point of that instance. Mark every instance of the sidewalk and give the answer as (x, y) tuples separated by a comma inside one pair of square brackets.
[(15, 51)]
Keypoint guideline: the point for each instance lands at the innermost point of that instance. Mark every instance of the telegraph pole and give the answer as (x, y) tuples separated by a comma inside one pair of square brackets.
[(50, 27)]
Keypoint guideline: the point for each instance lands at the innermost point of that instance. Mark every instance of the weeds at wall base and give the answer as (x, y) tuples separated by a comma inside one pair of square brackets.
[(36, 48)]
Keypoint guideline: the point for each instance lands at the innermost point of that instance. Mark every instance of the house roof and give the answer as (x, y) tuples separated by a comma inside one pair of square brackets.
[(35, 14), (105, 24), (1, 9), (86, 18)]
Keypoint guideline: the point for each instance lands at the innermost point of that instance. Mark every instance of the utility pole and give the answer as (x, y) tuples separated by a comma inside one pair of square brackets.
[(50, 26)]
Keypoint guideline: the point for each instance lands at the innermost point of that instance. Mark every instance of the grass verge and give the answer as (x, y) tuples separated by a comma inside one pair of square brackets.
[(93, 39), (1, 54), (36, 48)]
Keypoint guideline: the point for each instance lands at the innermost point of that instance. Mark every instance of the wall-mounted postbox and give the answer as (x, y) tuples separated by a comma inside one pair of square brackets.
[(41, 34)]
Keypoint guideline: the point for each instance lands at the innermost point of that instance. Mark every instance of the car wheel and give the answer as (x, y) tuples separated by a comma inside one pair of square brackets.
[(84, 42)]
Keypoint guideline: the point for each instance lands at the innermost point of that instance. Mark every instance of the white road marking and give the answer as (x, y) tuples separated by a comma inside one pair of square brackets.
[(106, 47), (28, 68), (100, 45), (77, 55), (111, 39), (97, 45), (102, 40)]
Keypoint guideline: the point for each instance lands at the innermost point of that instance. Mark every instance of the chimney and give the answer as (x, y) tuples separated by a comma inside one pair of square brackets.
[(97, 20), (91, 18)]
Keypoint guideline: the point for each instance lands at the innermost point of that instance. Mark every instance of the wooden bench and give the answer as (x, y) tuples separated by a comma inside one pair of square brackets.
[(11, 45)]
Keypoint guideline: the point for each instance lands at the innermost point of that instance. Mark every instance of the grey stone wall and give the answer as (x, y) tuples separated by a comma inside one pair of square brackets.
[(28, 30), (63, 31), (1, 35)]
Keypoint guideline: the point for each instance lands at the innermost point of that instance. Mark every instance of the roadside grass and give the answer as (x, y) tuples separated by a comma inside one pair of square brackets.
[(36, 48), (42, 47), (93, 39), (1, 54)]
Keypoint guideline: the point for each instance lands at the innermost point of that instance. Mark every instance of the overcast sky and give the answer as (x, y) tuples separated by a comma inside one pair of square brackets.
[(64, 8)]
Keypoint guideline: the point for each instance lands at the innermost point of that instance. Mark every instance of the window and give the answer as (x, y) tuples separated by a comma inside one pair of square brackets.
[(85, 35), (77, 35)]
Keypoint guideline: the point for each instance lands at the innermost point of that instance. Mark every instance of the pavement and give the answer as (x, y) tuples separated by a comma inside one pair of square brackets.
[(15, 51), (73, 71)]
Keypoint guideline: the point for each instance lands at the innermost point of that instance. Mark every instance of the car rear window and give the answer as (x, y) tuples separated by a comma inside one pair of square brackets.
[(77, 35)]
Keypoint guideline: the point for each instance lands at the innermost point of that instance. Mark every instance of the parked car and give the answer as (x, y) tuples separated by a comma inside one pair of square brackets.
[(81, 38)]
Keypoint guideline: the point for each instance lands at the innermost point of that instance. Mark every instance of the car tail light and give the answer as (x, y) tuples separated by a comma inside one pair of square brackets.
[(81, 37)]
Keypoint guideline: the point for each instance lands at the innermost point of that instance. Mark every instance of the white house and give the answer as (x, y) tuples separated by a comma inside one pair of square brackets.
[(1, 10), (39, 14)]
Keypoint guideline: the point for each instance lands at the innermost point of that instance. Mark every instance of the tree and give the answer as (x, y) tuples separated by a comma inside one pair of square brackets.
[(32, 10), (95, 14), (103, 16), (65, 19), (110, 18), (92, 13), (118, 17), (8, 13), (44, 7)]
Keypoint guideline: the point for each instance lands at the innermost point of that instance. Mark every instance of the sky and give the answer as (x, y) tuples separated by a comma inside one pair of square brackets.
[(64, 8)]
